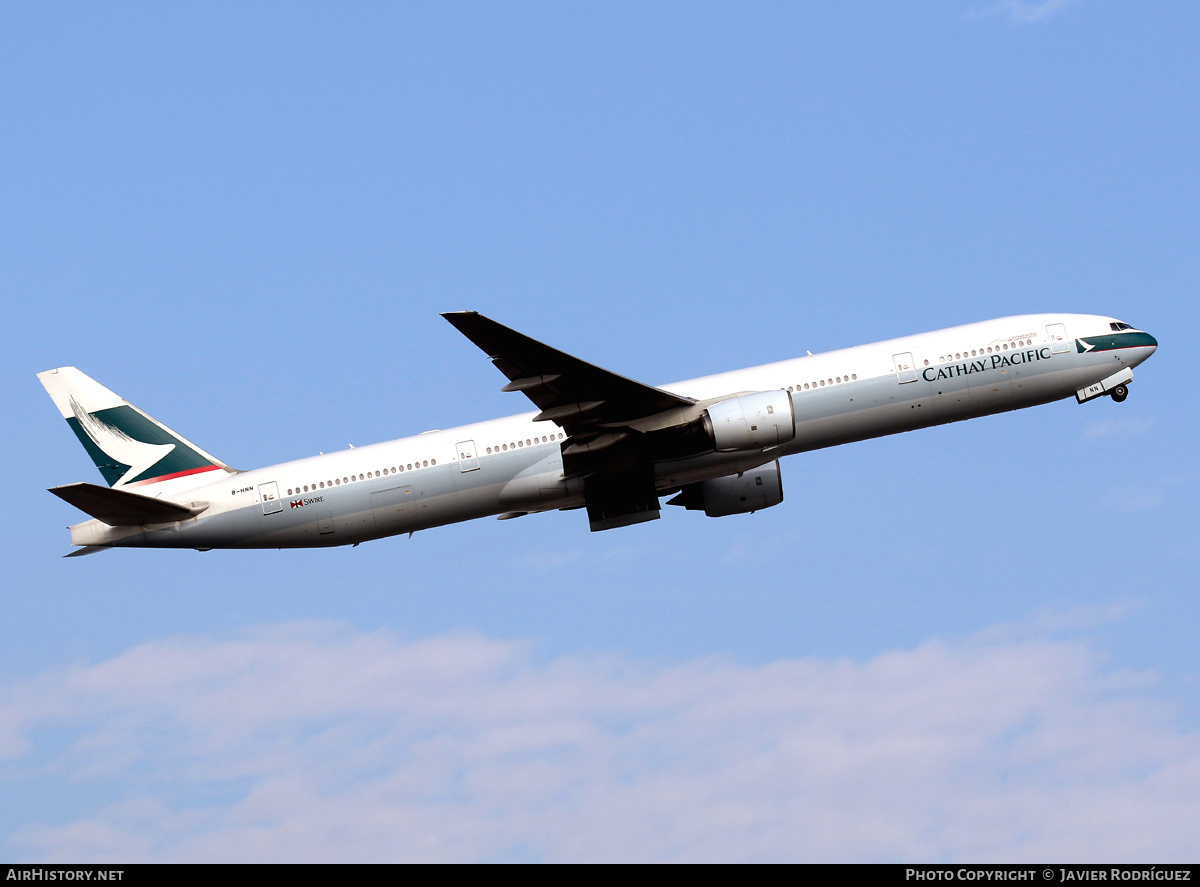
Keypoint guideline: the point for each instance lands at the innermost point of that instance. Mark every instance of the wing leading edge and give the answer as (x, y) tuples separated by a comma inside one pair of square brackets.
[(574, 394), (605, 415)]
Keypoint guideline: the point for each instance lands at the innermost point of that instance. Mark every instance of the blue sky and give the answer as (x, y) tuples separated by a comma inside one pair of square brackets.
[(971, 642)]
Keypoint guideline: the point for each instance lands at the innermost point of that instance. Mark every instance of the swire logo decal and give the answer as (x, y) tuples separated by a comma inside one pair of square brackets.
[(297, 503)]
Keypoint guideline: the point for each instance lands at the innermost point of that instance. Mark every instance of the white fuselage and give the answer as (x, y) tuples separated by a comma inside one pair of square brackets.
[(514, 465)]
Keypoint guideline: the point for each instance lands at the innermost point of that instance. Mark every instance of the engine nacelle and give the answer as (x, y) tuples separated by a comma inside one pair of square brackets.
[(743, 493), (751, 422)]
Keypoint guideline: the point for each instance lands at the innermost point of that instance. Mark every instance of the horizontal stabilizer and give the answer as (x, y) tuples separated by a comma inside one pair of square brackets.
[(87, 549), (120, 508)]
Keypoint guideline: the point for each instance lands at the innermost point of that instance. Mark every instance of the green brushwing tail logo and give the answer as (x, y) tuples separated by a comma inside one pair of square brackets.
[(130, 449)]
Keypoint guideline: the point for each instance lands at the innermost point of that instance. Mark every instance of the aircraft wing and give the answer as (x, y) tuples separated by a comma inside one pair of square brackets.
[(580, 397), (607, 417)]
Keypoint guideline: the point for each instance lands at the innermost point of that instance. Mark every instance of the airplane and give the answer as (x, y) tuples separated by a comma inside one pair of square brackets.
[(597, 441)]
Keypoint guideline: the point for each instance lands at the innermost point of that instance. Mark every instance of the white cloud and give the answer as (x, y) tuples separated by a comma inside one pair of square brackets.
[(546, 561), (1142, 495), (1118, 429), (1134, 498), (1025, 12), (1046, 622), (317, 742)]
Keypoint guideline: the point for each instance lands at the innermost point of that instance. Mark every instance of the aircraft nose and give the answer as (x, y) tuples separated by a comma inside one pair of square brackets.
[(1148, 344)]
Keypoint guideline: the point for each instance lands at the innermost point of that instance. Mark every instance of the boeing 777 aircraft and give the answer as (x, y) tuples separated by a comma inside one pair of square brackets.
[(598, 440)]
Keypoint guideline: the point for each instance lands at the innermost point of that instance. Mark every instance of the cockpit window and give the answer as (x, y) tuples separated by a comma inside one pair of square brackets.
[(1118, 326)]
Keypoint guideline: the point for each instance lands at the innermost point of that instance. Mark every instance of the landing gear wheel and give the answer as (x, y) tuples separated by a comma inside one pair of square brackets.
[(1119, 393)]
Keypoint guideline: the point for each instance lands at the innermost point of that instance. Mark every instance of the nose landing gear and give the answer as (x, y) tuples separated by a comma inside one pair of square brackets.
[(1115, 386)]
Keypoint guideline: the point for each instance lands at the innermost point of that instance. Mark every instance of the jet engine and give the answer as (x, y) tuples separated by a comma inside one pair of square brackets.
[(751, 422), (743, 493)]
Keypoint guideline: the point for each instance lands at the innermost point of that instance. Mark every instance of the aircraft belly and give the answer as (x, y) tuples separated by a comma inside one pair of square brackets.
[(882, 406), (168, 536), (1094, 366), (861, 409), (449, 496), (370, 510), (678, 473), (537, 484), (393, 506)]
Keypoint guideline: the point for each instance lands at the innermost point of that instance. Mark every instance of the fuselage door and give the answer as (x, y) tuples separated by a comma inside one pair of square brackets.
[(906, 370), (269, 494), (1057, 333), (468, 459)]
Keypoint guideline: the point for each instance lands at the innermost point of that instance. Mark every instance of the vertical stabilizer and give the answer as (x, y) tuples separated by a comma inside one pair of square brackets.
[(130, 448)]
